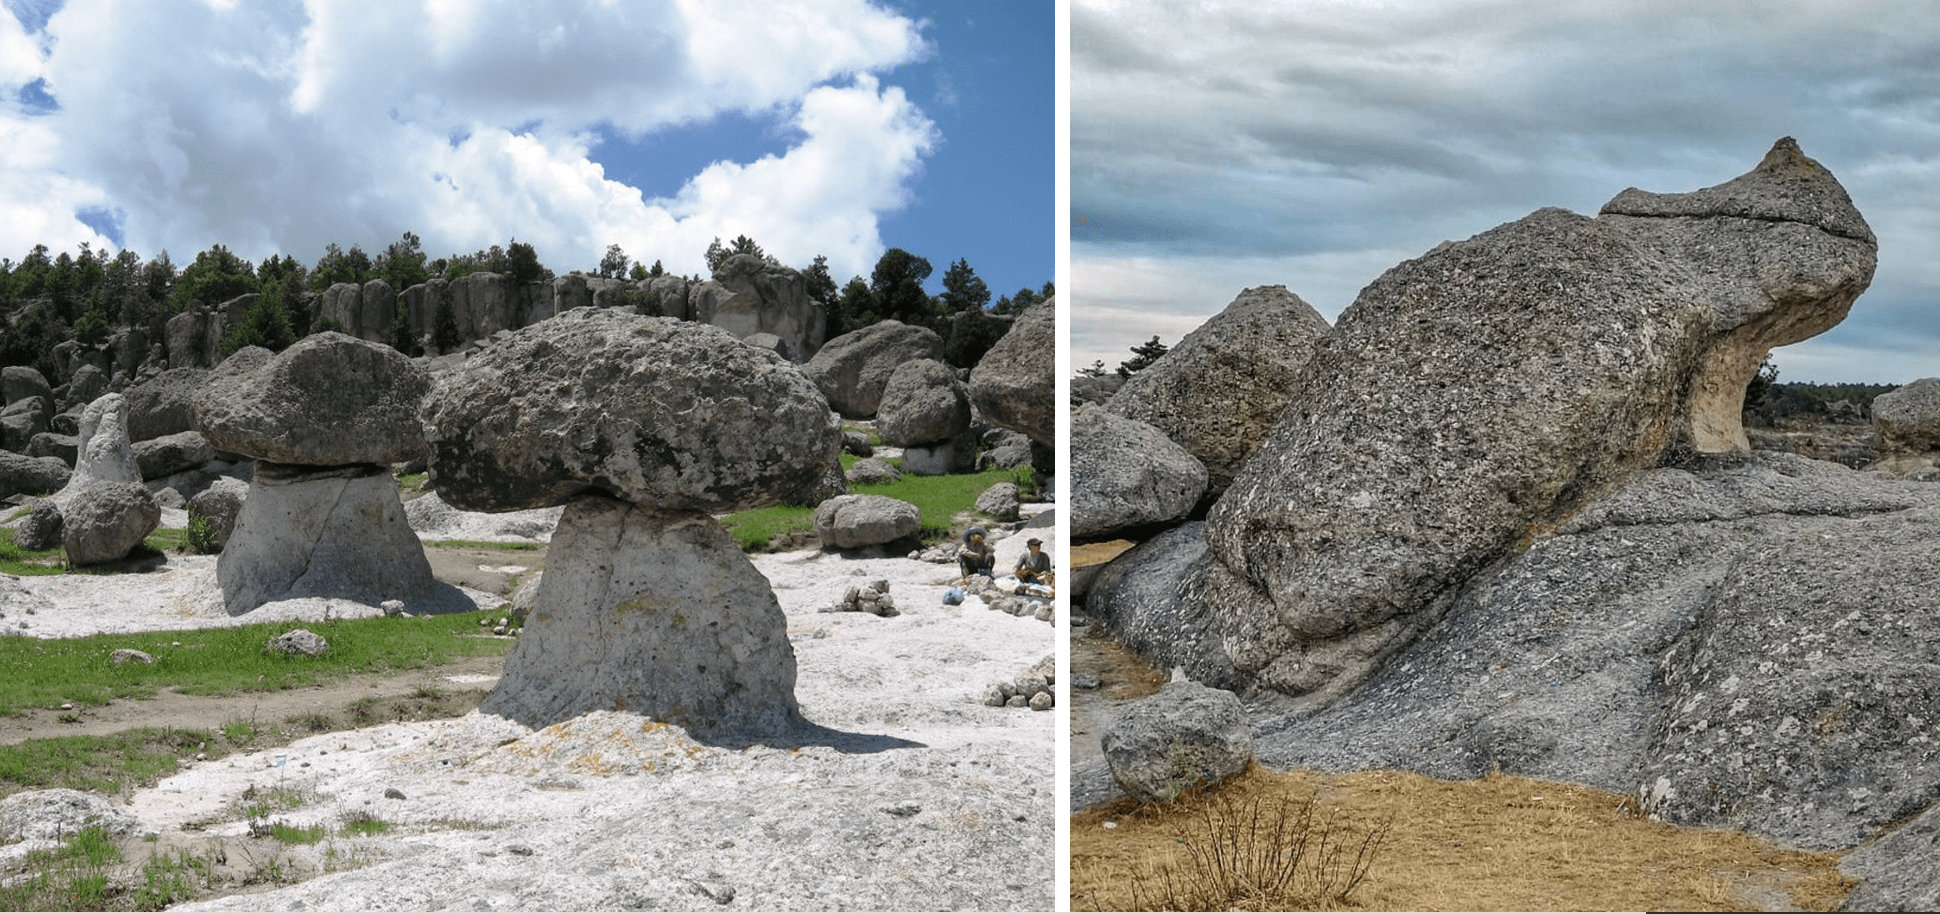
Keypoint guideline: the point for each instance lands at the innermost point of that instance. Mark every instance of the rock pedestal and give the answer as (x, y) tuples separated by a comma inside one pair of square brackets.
[(336, 532)]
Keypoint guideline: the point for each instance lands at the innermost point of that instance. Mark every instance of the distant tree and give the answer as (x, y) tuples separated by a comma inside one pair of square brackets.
[(522, 264), (854, 309), (1097, 370), (972, 333), (639, 272), (216, 276), (266, 323), (1143, 355), (336, 265), (92, 328), (821, 286), (718, 253), (613, 265), (402, 263), (897, 285), (657, 270), (444, 326), (963, 290)]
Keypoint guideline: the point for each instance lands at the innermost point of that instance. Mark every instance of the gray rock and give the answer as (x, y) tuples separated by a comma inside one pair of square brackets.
[(659, 614), (328, 400), (186, 339), (853, 521), (1221, 389), (104, 453), (54, 815), (219, 505), (104, 521), (999, 501), (18, 382), (1186, 737), (127, 655), (872, 471), (170, 454), (1908, 419), (922, 402), (857, 444), (1015, 384), (298, 641), (335, 532), (23, 475), (1497, 383), (1136, 597), (87, 383), (164, 404), (649, 410), (1126, 474), (65, 448), (1896, 872), (41, 529), (22, 420), (852, 369), (749, 297)]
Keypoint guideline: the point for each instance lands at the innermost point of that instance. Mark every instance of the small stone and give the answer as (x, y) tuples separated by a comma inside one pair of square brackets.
[(1042, 701), (993, 695), (130, 655), (1017, 701), (393, 608)]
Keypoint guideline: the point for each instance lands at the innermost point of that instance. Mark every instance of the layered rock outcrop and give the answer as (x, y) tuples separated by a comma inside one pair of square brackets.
[(642, 428), (749, 296), (1489, 388)]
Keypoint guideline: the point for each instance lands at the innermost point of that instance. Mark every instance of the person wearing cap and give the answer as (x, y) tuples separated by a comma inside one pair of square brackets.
[(1034, 568), (976, 556)]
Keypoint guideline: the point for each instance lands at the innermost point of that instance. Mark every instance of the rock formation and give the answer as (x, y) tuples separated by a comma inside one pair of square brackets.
[(1222, 388), (749, 296), (852, 369), (926, 411), (1494, 385), (324, 419), (104, 454), (642, 428), (1126, 474), (1186, 737), (103, 521), (1015, 384), (1908, 419), (854, 521)]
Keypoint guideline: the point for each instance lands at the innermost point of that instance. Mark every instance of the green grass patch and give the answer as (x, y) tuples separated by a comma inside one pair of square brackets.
[(365, 825), (939, 498), (101, 763), (413, 483), (72, 877), (218, 661), (297, 834)]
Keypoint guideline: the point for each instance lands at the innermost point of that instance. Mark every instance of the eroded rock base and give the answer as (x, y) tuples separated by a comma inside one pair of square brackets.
[(336, 532)]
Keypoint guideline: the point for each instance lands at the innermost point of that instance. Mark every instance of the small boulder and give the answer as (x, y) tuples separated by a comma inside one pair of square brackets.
[(852, 369), (41, 529), (1908, 419), (218, 506), (1127, 474), (1186, 737), (126, 655), (298, 641), (106, 520), (873, 471), (999, 501), (853, 521)]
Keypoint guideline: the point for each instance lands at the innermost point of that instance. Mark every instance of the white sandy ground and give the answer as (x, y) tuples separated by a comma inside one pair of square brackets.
[(910, 795)]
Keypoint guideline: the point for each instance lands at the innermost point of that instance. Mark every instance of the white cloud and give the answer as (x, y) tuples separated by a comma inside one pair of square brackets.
[(286, 126)]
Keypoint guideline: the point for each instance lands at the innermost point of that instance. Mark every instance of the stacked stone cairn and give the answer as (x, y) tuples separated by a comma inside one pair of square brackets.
[(324, 420), (1033, 688), (643, 428), (873, 599)]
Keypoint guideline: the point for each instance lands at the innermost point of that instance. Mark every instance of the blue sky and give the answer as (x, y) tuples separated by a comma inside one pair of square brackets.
[(1224, 145), (834, 127)]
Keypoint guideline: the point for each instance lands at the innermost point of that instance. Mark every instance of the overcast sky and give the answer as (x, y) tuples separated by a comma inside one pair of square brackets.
[(1221, 145), (835, 127)]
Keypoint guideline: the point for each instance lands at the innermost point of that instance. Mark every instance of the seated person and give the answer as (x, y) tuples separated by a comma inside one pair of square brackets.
[(1034, 568), (976, 556)]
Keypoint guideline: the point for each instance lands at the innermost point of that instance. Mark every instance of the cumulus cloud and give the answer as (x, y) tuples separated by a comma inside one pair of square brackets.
[(1279, 133), (283, 126)]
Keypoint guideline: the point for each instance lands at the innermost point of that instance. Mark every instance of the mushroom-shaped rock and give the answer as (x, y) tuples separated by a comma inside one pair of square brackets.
[(328, 400), (852, 369), (657, 411), (922, 402), (657, 614), (1224, 386), (1491, 386), (1015, 384)]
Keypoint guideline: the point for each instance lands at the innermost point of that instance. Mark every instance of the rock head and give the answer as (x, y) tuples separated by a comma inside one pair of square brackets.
[(1472, 397), (328, 400)]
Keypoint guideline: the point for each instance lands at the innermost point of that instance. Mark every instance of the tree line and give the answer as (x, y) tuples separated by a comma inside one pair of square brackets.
[(47, 299)]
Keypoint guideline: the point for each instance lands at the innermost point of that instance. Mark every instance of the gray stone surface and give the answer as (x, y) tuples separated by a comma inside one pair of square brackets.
[(1497, 383), (1015, 384), (66, 448), (336, 532), (18, 382), (298, 641), (220, 504), (1188, 736), (750, 297), (649, 410), (104, 454), (1126, 474), (104, 521), (41, 528), (1897, 871), (1136, 598), (55, 815), (170, 454), (853, 521), (922, 403), (656, 614), (1221, 389), (1908, 419), (872, 471), (22, 420), (20, 474), (999, 501), (164, 404), (852, 369), (328, 400), (88, 383)]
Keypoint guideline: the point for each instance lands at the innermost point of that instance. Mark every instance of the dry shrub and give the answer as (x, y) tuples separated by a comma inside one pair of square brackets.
[(1262, 853)]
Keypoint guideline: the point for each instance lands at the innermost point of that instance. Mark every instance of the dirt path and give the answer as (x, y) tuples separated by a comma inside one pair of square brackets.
[(205, 712)]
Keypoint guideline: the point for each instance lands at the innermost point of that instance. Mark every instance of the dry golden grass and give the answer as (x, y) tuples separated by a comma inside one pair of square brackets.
[(1492, 844)]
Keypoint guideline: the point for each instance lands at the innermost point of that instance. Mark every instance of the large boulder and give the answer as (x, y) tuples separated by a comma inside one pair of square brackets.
[(22, 419), (331, 532), (749, 296), (88, 383), (1136, 598), (103, 454), (188, 340), (922, 403), (1126, 474), (1015, 384), (852, 369), (18, 382), (1222, 388), (104, 521), (656, 614), (1492, 386), (328, 400), (854, 521), (23, 475), (170, 454), (1187, 737), (655, 411), (164, 404), (1908, 418)]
